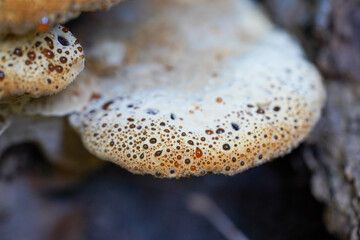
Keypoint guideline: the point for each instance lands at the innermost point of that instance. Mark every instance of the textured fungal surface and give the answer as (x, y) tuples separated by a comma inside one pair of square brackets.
[(19, 16), (39, 64), (220, 96)]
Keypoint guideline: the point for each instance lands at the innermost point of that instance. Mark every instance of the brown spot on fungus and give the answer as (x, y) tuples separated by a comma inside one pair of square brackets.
[(18, 52), (198, 153), (48, 53), (226, 147), (44, 24), (63, 59)]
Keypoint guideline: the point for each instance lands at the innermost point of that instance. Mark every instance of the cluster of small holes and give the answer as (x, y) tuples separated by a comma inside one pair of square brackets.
[(48, 61)]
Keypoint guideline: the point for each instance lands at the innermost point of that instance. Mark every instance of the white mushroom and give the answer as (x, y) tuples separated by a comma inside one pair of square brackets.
[(208, 87)]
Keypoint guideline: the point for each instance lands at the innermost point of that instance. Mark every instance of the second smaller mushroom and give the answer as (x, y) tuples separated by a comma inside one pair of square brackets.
[(38, 64)]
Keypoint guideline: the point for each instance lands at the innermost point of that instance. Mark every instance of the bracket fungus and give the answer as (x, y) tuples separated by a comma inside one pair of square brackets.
[(205, 88), (39, 63)]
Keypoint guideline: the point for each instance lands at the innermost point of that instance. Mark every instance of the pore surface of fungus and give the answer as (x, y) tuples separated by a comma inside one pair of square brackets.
[(19, 16), (39, 64), (206, 87)]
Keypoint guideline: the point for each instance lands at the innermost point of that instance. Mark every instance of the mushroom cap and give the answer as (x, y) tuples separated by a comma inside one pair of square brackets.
[(224, 95), (39, 64), (20, 16)]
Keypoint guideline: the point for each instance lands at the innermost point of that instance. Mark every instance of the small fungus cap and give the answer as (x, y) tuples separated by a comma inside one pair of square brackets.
[(188, 104), (39, 63), (20, 16)]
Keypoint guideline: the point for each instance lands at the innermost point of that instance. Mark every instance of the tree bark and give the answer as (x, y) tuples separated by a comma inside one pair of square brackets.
[(330, 32)]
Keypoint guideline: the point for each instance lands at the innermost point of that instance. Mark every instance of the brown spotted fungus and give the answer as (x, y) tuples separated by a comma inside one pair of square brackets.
[(205, 87), (39, 63)]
